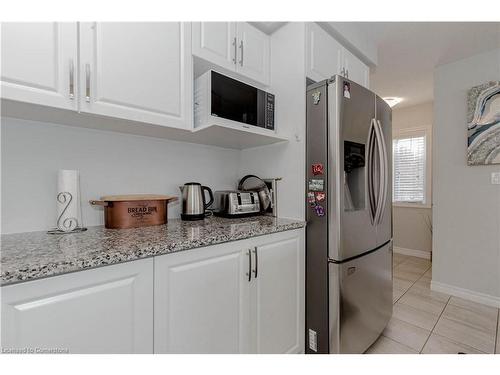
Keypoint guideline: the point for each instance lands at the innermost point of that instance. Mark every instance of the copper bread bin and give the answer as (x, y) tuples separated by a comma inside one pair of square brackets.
[(134, 211)]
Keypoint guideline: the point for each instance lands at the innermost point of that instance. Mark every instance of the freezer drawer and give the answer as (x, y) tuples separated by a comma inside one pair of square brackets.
[(360, 300)]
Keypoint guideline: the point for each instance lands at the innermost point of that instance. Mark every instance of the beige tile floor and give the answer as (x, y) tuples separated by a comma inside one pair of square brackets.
[(429, 322)]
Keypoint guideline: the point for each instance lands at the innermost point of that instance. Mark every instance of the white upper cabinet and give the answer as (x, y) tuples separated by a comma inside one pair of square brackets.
[(253, 53), (355, 69), (326, 57), (39, 63), (235, 46), (137, 71), (103, 310), (323, 54), (215, 42), (279, 297)]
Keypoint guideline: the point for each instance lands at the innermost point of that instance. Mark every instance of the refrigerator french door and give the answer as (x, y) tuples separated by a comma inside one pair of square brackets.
[(349, 215)]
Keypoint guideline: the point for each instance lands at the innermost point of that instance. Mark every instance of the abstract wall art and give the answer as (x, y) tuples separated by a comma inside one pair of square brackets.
[(483, 124)]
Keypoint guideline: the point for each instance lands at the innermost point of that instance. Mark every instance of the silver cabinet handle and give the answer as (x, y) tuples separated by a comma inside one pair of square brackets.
[(256, 270), (87, 83), (241, 48), (235, 50), (249, 273), (71, 79)]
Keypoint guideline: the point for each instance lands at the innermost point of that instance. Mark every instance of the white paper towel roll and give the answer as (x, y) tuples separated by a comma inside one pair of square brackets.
[(68, 200)]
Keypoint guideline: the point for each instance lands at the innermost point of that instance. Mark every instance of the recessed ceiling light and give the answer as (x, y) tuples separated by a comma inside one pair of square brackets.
[(393, 101)]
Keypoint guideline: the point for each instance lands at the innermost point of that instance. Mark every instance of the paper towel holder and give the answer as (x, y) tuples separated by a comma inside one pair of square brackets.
[(65, 198)]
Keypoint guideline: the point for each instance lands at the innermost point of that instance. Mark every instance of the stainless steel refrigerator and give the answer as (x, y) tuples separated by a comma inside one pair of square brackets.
[(349, 217)]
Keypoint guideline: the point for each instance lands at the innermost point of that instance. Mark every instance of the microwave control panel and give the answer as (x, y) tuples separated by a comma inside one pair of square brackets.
[(269, 111)]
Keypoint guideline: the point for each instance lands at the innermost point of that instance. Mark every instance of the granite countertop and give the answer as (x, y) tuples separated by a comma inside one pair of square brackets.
[(33, 255)]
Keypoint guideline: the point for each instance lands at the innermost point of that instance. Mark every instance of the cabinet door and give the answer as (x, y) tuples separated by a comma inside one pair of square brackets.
[(278, 292), (202, 302), (39, 63), (355, 69), (253, 52), (323, 53), (104, 310), (215, 42), (138, 71)]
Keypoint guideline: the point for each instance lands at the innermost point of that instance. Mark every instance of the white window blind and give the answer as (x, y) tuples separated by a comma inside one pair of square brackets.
[(409, 169)]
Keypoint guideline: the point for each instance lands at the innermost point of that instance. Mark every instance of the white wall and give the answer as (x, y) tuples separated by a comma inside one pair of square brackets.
[(355, 39), (411, 230), (286, 159), (466, 212), (109, 163)]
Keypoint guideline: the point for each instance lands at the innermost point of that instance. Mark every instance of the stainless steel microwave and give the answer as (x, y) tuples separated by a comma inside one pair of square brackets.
[(221, 100)]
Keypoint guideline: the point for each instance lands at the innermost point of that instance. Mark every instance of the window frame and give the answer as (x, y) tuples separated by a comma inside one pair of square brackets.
[(423, 131)]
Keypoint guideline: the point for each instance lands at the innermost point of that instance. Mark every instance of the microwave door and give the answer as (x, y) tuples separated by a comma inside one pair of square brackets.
[(234, 100)]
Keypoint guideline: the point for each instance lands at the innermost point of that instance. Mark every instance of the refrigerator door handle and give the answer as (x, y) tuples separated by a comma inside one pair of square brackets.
[(381, 170), (371, 153), (385, 176)]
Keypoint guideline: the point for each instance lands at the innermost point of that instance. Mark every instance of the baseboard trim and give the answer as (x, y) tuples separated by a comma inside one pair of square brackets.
[(470, 295), (412, 252)]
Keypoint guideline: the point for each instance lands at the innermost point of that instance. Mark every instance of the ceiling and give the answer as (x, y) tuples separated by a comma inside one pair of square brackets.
[(268, 27), (408, 52)]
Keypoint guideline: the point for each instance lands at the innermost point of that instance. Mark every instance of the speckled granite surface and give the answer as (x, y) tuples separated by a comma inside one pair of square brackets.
[(33, 255)]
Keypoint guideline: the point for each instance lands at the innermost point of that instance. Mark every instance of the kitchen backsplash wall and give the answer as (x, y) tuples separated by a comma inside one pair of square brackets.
[(109, 163), (285, 160)]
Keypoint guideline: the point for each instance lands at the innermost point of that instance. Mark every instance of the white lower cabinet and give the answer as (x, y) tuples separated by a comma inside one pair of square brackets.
[(278, 297), (240, 297), (202, 301), (103, 310)]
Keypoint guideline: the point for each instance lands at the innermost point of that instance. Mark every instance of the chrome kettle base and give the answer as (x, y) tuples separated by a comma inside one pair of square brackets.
[(189, 217)]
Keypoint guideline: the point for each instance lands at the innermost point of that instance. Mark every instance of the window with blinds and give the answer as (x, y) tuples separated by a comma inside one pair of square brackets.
[(409, 169)]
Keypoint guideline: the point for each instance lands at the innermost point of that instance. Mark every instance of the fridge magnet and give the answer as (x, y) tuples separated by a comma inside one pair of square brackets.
[(316, 95), (320, 196), (316, 185), (483, 124), (320, 211), (317, 169), (311, 199), (347, 90)]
